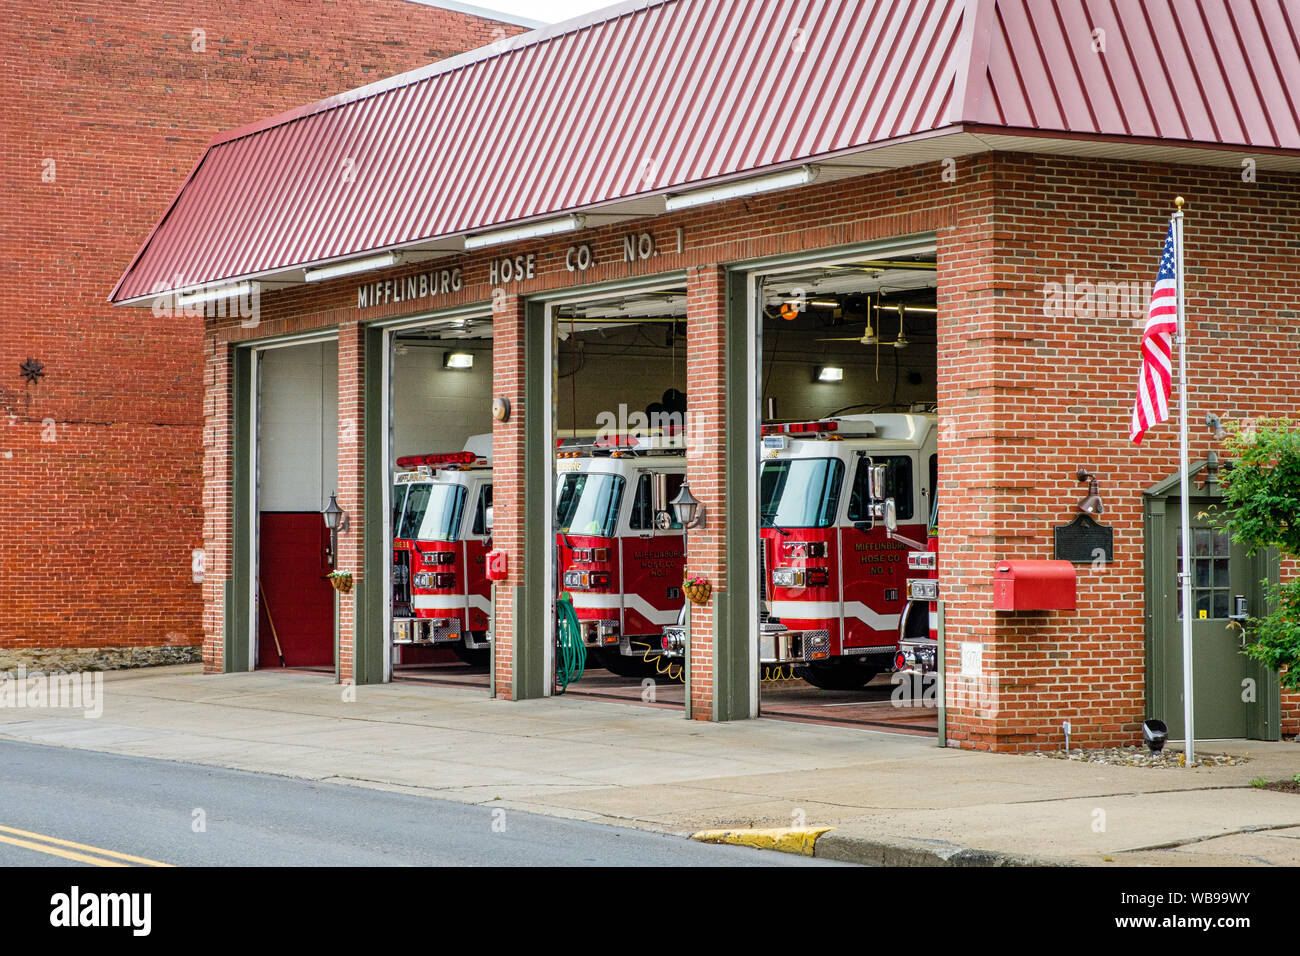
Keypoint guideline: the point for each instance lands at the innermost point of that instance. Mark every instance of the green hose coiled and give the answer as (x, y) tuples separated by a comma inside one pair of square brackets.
[(572, 659)]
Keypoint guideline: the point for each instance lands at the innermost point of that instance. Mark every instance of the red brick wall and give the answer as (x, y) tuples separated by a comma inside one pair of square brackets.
[(1024, 400), (508, 349), (100, 462), (706, 385)]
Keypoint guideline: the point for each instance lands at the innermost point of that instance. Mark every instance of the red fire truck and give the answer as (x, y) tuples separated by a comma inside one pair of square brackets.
[(442, 534), (833, 576), (620, 554)]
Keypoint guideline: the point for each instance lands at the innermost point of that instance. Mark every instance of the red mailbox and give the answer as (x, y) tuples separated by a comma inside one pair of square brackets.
[(1034, 586)]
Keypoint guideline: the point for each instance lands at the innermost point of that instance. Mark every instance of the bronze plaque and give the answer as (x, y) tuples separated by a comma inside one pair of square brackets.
[(1080, 541)]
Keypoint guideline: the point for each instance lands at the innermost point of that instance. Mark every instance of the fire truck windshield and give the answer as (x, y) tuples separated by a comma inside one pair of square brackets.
[(800, 492), (589, 504), (433, 512)]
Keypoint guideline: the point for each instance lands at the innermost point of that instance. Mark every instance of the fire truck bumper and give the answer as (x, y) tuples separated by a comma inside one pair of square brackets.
[(428, 630), (673, 642), (778, 644), (599, 634), (918, 656)]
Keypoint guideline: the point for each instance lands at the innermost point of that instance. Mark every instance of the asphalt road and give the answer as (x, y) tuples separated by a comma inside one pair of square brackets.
[(64, 807)]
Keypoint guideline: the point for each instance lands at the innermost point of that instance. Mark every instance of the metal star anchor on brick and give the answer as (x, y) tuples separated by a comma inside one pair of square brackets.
[(33, 370)]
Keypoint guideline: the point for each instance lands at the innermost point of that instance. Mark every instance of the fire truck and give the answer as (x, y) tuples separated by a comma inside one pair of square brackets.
[(442, 534), (845, 508), (620, 554)]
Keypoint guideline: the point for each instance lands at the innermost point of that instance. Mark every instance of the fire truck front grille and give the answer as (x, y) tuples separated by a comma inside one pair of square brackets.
[(763, 612), (402, 584)]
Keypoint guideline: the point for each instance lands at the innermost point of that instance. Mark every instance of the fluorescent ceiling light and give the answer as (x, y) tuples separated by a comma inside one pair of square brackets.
[(824, 303), (198, 297), (830, 373), (352, 267), (748, 187), (535, 230), (458, 360)]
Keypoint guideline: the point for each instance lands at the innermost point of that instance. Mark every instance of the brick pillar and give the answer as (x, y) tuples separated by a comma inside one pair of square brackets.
[(508, 532), (706, 554), (351, 489), (218, 494)]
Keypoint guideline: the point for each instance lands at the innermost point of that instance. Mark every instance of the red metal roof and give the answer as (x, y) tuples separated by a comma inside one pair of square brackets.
[(653, 96)]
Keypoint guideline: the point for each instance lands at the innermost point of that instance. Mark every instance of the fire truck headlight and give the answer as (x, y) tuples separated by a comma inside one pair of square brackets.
[(787, 577), (575, 579), (423, 579)]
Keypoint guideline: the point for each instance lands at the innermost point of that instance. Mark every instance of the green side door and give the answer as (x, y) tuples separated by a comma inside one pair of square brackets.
[(1220, 573)]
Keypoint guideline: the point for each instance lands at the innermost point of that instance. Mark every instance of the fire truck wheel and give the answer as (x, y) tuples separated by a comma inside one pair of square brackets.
[(474, 657), (837, 675)]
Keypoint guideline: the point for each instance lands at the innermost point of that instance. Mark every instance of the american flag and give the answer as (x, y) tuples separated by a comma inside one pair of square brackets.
[(1152, 405)]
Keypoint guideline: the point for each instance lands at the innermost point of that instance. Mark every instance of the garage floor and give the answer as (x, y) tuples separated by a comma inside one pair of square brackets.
[(794, 699)]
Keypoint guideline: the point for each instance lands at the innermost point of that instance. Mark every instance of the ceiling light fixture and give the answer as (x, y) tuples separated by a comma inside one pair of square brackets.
[(535, 230), (186, 299), (340, 269), (458, 360), (830, 373), (747, 187)]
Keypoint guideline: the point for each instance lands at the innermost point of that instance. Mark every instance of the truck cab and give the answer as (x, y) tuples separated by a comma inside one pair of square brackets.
[(833, 577), (620, 554), (441, 594)]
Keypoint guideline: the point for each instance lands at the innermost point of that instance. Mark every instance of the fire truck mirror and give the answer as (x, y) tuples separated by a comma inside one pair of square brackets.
[(658, 493), (891, 515), (876, 483)]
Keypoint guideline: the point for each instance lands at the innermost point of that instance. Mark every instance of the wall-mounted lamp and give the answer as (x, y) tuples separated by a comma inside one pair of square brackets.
[(687, 509), (458, 360), (1090, 505), (334, 517), (830, 373), (1215, 425)]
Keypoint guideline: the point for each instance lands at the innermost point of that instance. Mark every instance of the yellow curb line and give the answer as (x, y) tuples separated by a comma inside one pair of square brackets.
[(783, 839)]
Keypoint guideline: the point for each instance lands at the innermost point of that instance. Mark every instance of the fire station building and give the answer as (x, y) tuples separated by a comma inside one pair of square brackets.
[(764, 216)]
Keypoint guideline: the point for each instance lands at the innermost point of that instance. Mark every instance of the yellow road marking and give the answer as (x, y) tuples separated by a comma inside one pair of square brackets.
[(45, 848), (801, 840)]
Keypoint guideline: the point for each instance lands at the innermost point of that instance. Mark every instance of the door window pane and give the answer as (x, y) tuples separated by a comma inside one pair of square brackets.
[(1211, 574)]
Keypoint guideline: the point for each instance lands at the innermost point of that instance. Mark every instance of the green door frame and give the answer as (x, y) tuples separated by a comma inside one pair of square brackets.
[(532, 599), (236, 618), (371, 592), (1160, 507)]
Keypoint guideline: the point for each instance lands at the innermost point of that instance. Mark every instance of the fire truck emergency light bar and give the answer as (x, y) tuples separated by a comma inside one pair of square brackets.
[(749, 187), (801, 428), (453, 458)]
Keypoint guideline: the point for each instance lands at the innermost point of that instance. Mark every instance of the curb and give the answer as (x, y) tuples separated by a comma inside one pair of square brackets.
[(828, 844)]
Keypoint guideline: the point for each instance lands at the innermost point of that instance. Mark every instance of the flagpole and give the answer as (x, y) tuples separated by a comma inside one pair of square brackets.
[(1185, 575)]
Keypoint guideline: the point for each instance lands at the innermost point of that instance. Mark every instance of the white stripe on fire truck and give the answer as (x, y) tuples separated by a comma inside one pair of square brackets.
[(450, 602), (828, 610), (611, 602)]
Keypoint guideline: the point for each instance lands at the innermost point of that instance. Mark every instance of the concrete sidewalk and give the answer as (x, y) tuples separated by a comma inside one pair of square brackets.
[(889, 798)]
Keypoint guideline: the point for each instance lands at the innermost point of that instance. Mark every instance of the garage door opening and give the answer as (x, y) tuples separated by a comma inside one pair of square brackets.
[(297, 471), (848, 422), (620, 412), (440, 397)]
